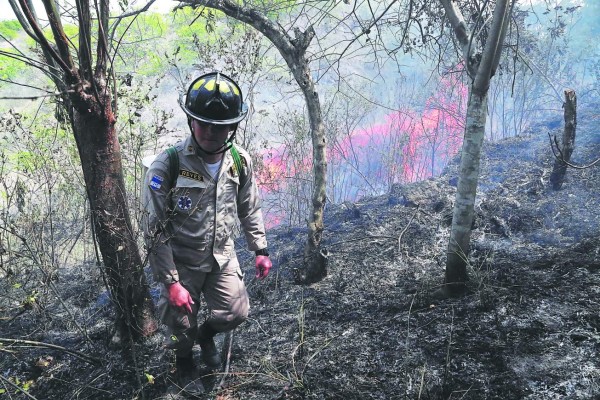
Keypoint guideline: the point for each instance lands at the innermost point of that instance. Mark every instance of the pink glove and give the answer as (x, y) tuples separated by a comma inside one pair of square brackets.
[(180, 297), (263, 265)]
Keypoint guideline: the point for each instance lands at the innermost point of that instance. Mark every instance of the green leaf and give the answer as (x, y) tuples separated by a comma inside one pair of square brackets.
[(150, 378), (17, 285)]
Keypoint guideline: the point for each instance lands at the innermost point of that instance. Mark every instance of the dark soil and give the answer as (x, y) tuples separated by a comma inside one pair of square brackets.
[(528, 328)]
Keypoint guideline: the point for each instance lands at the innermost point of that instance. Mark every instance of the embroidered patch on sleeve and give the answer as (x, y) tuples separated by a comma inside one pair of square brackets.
[(156, 182)]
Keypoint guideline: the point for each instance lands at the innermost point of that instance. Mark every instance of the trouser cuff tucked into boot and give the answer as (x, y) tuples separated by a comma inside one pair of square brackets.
[(205, 339)]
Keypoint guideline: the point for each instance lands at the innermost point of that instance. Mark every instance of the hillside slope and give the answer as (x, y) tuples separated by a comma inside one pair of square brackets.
[(528, 328)]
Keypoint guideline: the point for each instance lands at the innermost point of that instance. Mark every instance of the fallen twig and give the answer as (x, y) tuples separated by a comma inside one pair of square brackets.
[(405, 229), (81, 356), (227, 345)]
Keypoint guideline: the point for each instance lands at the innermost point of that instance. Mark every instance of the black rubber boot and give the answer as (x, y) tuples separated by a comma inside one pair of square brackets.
[(187, 377), (210, 354)]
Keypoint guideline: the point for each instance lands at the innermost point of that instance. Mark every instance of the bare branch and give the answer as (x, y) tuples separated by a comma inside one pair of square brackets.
[(252, 17), (136, 12), (29, 86), (45, 68), (85, 45), (364, 32), (22, 20), (62, 42), (102, 46), (43, 41), (457, 21)]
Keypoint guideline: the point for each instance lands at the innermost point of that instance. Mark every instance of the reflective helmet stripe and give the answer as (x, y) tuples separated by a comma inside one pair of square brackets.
[(198, 84)]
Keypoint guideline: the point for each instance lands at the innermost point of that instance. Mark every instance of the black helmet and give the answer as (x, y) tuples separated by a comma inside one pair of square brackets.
[(214, 98)]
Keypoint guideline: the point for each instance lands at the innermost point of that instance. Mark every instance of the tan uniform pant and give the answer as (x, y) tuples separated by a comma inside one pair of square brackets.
[(226, 298)]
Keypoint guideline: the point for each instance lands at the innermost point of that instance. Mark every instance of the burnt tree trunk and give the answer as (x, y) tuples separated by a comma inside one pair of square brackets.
[(99, 151), (557, 177)]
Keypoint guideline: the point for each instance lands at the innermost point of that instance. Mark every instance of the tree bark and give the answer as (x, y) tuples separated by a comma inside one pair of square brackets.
[(462, 218), (99, 151), (557, 177)]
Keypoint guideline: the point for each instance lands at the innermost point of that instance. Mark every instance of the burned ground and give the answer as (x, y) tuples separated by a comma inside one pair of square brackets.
[(527, 329)]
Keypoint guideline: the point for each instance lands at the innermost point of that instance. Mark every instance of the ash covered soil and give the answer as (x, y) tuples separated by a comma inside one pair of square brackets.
[(528, 328)]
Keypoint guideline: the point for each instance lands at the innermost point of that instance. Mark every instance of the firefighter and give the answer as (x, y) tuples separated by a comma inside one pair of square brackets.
[(195, 192)]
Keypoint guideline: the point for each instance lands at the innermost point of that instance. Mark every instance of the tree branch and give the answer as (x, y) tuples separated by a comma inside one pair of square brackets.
[(457, 21), (22, 20), (43, 41), (136, 12), (275, 33), (62, 43), (493, 46), (102, 47), (85, 45)]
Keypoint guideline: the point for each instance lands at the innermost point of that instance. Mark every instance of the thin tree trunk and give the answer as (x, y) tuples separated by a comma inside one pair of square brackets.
[(481, 73), (315, 257), (462, 219), (568, 140)]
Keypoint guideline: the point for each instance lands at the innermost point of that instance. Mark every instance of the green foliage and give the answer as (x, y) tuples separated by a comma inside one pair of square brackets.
[(25, 161), (10, 29), (142, 42), (49, 141), (9, 67)]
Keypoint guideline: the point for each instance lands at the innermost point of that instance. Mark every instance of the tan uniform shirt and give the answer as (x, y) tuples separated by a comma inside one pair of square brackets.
[(195, 221)]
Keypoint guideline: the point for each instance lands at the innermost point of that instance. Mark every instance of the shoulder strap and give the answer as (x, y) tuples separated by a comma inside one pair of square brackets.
[(239, 166), (173, 165)]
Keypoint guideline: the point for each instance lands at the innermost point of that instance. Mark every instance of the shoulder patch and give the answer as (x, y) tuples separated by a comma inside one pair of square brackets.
[(191, 175), (156, 182)]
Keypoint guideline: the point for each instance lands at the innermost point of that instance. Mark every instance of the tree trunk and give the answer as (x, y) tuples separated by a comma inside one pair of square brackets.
[(462, 218), (315, 257), (99, 150), (88, 106), (568, 140), (480, 69)]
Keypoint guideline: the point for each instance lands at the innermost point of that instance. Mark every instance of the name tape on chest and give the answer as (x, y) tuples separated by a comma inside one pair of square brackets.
[(191, 175)]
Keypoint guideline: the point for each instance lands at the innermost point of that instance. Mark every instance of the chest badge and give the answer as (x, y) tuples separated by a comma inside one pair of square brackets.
[(184, 203)]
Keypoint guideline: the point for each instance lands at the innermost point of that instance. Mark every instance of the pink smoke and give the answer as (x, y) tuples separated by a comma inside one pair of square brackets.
[(406, 146)]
